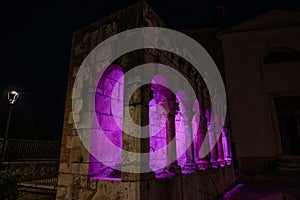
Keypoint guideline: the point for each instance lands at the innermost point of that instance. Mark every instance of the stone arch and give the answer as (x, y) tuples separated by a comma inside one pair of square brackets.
[(110, 91), (280, 54), (109, 95), (157, 118), (196, 120), (181, 125)]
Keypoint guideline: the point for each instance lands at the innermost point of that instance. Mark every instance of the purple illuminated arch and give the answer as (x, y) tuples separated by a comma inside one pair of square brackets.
[(157, 122), (110, 91), (181, 125), (196, 129)]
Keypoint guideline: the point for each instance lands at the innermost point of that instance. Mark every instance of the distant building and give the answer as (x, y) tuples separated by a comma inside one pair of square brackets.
[(259, 62), (262, 75)]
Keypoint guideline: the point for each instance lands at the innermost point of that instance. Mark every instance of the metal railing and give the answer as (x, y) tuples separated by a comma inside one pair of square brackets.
[(37, 161), (30, 150)]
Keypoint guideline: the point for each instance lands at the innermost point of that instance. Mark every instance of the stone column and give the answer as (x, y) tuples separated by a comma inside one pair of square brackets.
[(189, 166), (226, 146), (220, 151), (139, 113), (212, 139), (202, 162), (219, 125), (170, 134)]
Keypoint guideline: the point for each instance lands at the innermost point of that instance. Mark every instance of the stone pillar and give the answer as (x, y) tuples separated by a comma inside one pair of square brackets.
[(202, 162), (226, 146), (219, 142), (220, 152), (212, 139), (212, 145), (139, 113), (189, 166), (170, 134)]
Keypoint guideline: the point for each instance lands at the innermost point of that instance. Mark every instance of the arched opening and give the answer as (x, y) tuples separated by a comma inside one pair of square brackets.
[(196, 127), (281, 55), (166, 122), (109, 111), (157, 123), (161, 107), (182, 127)]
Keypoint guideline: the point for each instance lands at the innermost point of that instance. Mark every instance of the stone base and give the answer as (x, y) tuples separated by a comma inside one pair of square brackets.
[(208, 184), (189, 168), (221, 162), (173, 168), (214, 164), (202, 165)]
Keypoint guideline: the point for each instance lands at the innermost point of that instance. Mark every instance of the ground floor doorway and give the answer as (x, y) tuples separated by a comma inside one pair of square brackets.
[(288, 115)]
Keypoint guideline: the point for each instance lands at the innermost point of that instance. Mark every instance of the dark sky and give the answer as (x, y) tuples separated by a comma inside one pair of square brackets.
[(35, 47)]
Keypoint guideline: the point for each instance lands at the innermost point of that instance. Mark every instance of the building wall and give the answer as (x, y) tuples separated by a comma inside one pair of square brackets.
[(251, 85)]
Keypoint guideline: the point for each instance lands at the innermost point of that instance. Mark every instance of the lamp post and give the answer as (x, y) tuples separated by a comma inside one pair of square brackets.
[(12, 97)]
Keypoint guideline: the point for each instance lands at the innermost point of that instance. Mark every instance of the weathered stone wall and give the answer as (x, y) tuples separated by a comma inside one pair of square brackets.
[(73, 180), (109, 113), (208, 184), (74, 159), (200, 185)]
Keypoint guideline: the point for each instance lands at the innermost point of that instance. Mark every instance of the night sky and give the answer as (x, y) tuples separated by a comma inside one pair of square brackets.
[(35, 49)]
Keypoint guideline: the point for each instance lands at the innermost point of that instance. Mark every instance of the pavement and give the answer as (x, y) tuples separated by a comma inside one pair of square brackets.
[(265, 185)]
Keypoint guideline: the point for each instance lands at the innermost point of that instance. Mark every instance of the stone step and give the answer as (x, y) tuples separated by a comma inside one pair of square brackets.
[(288, 168), (36, 193), (290, 160), (288, 163)]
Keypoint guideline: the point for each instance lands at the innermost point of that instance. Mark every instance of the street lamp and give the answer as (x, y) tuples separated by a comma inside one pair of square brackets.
[(12, 97)]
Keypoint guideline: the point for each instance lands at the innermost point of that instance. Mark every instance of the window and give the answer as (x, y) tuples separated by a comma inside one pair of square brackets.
[(281, 55)]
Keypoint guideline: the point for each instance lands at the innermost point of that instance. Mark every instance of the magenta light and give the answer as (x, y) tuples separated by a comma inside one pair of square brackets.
[(233, 192), (157, 123), (110, 91)]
